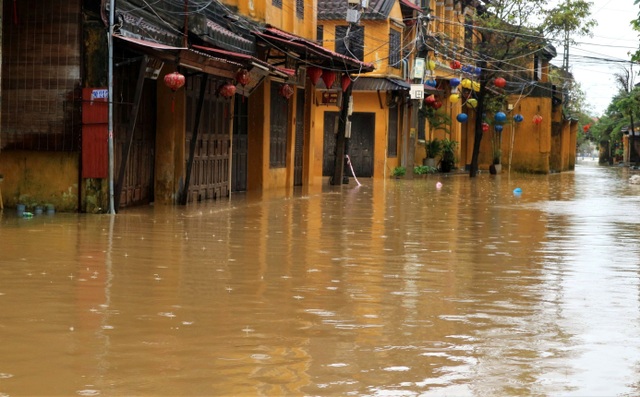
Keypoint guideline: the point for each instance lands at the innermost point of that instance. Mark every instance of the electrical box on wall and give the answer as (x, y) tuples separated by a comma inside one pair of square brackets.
[(353, 16)]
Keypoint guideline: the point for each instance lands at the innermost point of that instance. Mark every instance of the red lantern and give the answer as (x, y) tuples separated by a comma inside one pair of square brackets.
[(485, 127), (174, 81), (227, 91), (314, 74), (455, 65), (286, 91), (430, 100), (500, 82), (328, 77), (437, 104), (586, 128), (537, 119), (242, 77), (345, 81)]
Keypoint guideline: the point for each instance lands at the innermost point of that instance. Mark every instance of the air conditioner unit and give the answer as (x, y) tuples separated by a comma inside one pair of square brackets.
[(353, 16)]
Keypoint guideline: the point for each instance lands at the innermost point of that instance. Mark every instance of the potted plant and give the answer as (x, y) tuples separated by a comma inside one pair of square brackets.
[(496, 155), (433, 148), (399, 172), (448, 155), (437, 121)]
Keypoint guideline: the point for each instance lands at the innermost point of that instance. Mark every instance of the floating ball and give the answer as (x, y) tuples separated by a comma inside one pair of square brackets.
[(438, 185), (517, 191)]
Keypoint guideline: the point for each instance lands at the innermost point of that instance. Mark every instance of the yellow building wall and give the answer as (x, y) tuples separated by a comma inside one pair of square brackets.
[(531, 142), (366, 102), (376, 39), (39, 178), (283, 18)]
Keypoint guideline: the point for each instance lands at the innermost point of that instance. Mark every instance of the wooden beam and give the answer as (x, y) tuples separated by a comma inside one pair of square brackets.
[(194, 139)]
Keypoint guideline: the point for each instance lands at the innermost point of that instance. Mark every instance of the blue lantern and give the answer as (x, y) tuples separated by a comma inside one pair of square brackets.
[(431, 83), (478, 71), (518, 118), (500, 117), (498, 127), (454, 82), (462, 117)]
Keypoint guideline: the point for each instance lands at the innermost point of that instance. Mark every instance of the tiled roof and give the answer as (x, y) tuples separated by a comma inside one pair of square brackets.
[(337, 9), (310, 51)]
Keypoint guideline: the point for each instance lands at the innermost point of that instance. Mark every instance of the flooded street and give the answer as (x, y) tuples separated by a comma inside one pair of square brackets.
[(394, 288)]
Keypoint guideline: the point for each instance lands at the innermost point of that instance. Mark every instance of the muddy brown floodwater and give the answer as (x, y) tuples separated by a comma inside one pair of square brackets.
[(394, 288)]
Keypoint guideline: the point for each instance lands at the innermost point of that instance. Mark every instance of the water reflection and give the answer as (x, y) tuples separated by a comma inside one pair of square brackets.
[(392, 288)]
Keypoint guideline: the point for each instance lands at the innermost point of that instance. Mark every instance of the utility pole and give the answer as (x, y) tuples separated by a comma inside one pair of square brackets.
[(354, 9), (417, 96)]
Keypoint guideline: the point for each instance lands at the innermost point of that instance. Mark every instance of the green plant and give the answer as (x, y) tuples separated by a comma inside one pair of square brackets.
[(448, 154), (496, 145), (433, 147), (424, 169), (399, 171), (437, 120)]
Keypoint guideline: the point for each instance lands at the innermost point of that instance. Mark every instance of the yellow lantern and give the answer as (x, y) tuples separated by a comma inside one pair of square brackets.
[(472, 102), (476, 86), (466, 83), (431, 65), (454, 98)]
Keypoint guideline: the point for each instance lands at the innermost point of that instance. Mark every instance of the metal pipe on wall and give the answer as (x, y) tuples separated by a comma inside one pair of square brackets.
[(111, 98)]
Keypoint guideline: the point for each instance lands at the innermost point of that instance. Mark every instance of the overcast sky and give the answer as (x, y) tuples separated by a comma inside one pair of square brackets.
[(613, 39)]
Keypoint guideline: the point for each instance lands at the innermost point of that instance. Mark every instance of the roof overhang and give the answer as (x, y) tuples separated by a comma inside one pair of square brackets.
[(311, 53)]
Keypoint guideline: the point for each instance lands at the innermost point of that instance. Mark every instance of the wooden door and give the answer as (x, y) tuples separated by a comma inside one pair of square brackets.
[(361, 144), (137, 185), (240, 145), (210, 169)]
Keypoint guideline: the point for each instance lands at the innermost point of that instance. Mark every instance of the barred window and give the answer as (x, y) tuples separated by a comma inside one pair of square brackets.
[(320, 34), (300, 9), (392, 142), (350, 41), (394, 49), (278, 132)]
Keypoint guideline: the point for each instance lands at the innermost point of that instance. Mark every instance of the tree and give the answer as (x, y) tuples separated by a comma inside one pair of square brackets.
[(567, 20), (506, 34)]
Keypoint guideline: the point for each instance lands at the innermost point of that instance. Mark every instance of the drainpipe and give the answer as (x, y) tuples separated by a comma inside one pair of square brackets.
[(111, 98)]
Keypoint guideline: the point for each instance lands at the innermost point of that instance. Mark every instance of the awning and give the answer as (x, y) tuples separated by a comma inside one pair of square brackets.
[(409, 4), (379, 84), (373, 84), (249, 60), (189, 58), (309, 51)]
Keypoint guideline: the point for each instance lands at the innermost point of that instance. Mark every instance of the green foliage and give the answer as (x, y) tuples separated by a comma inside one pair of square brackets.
[(433, 147), (399, 171), (449, 149), (424, 169), (438, 120), (569, 19)]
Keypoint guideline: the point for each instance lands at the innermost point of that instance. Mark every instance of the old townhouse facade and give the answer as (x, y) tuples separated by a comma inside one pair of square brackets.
[(263, 82)]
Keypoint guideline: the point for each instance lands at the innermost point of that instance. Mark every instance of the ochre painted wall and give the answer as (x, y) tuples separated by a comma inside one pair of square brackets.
[(376, 39), (532, 143), (170, 143), (365, 102), (38, 178), (284, 17)]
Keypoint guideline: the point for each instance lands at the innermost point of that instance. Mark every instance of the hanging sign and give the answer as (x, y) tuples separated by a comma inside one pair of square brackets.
[(416, 91)]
